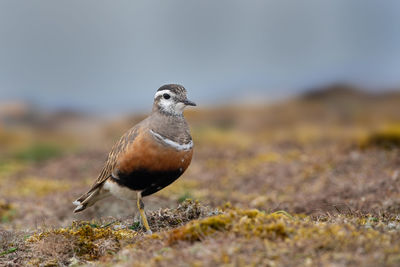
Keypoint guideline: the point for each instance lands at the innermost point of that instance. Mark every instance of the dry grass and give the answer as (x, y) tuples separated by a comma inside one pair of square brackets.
[(86, 241), (251, 237), (302, 183)]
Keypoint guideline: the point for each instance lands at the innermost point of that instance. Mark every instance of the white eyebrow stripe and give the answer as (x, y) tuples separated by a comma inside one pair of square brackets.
[(171, 143), (163, 92)]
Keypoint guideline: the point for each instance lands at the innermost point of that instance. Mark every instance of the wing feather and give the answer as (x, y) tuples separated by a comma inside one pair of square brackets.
[(111, 163)]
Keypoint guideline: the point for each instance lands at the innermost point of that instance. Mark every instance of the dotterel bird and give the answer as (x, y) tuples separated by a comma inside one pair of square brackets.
[(148, 157)]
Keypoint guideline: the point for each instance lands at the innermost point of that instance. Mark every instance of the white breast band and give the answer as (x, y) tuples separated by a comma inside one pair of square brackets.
[(171, 143)]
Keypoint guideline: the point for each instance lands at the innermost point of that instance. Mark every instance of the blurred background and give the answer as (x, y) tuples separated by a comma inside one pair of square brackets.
[(109, 58), (298, 101)]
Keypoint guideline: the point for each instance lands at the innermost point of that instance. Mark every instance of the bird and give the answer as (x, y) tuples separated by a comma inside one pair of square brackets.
[(149, 156)]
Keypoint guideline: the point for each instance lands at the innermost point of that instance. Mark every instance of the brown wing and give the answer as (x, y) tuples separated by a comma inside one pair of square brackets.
[(118, 148)]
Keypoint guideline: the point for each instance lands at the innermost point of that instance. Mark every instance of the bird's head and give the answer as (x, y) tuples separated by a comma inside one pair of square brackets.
[(171, 99)]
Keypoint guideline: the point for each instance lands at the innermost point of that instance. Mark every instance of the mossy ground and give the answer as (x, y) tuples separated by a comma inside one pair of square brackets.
[(302, 183), (255, 238)]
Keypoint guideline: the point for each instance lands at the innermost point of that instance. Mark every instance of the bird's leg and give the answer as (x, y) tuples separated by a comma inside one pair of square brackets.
[(140, 206)]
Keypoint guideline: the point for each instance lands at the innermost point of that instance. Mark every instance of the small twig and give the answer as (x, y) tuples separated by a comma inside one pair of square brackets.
[(108, 224), (284, 213), (336, 208)]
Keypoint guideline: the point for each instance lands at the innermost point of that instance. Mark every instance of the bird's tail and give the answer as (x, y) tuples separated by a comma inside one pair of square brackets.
[(88, 199)]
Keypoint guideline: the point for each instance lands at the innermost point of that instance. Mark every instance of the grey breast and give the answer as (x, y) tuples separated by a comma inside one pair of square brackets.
[(174, 128)]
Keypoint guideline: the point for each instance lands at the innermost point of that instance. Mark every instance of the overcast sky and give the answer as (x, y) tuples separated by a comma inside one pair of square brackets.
[(111, 56)]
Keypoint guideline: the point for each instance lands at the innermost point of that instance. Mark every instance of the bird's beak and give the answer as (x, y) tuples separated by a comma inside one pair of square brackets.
[(187, 102)]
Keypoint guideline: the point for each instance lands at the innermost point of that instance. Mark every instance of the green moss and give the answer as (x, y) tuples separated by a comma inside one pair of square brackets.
[(135, 226), (38, 152)]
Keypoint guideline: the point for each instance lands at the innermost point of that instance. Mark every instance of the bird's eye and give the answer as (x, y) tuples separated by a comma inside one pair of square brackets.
[(166, 96)]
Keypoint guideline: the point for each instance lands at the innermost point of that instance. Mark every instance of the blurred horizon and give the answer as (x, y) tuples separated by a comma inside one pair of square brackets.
[(110, 57)]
